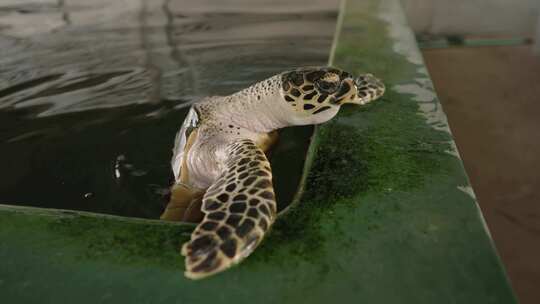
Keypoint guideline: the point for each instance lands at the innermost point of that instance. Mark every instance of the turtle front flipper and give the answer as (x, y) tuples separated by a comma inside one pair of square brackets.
[(239, 209)]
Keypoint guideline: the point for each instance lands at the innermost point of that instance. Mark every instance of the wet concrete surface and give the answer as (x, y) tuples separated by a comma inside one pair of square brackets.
[(492, 99)]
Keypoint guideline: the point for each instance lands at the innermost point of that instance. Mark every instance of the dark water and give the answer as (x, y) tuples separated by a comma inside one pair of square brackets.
[(93, 92)]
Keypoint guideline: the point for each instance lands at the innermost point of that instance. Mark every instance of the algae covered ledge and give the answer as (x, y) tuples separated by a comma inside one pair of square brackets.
[(380, 148), (385, 189)]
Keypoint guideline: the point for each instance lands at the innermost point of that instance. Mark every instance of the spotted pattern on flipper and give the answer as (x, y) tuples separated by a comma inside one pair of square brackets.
[(239, 209)]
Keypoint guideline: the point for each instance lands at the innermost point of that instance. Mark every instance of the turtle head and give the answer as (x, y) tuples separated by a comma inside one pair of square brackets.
[(316, 93)]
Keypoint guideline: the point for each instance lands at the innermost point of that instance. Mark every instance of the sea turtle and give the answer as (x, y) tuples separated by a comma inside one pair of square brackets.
[(223, 178)]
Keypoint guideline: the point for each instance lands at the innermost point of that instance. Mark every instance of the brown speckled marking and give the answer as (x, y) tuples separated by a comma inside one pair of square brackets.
[(239, 208)]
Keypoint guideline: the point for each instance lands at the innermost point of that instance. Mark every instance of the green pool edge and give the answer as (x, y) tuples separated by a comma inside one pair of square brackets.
[(386, 215)]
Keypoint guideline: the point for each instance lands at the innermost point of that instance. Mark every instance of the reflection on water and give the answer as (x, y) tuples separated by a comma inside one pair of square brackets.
[(93, 92)]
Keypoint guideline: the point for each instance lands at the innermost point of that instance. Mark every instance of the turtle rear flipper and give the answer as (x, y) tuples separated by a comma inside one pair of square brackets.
[(183, 204), (239, 209)]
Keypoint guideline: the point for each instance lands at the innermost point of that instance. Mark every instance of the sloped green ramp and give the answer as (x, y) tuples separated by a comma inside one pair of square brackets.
[(387, 214)]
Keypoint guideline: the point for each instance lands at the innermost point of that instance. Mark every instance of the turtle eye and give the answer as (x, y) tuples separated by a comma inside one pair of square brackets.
[(328, 87)]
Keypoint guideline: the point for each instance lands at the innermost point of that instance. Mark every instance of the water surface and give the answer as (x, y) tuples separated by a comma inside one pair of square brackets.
[(93, 92)]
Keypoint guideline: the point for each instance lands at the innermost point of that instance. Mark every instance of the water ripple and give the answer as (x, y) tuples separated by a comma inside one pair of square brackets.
[(82, 82)]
